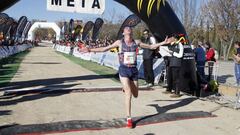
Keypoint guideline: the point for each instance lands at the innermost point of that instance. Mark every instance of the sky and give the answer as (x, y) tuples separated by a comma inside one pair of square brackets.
[(37, 9)]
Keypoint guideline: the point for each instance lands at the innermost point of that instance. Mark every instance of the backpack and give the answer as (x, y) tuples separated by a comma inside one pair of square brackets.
[(213, 85)]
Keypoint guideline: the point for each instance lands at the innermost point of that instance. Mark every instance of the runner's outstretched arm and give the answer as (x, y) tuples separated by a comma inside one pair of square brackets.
[(102, 49), (154, 46)]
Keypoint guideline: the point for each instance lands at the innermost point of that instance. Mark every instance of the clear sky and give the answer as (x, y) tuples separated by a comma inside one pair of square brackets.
[(37, 9)]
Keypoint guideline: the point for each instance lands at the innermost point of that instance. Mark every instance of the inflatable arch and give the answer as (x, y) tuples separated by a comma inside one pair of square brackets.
[(38, 25)]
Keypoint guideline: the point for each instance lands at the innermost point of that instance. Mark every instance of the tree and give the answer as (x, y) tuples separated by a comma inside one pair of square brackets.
[(224, 17)]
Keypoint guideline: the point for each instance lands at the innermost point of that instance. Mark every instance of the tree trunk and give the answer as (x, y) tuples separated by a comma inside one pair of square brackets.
[(231, 44)]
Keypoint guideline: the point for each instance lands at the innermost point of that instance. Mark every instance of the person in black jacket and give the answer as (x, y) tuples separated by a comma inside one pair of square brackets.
[(175, 63), (148, 56)]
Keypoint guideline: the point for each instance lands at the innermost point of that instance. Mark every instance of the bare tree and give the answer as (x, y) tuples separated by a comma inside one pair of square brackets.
[(224, 17)]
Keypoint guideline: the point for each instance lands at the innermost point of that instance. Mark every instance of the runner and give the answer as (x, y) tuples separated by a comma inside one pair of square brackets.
[(128, 72)]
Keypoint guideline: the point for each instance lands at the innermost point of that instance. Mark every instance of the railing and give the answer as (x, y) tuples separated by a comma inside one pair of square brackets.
[(6, 51)]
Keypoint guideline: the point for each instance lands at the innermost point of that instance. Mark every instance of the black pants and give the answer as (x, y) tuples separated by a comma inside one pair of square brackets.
[(148, 70), (169, 79), (174, 79), (210, 70)]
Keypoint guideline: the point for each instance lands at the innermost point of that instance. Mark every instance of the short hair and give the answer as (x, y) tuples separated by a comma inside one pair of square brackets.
[(208, 44)]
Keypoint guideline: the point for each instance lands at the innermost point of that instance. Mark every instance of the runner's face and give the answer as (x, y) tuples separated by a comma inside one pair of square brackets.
[(127, 31)]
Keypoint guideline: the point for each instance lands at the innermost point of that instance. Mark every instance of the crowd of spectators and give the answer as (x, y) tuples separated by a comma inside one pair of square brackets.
[(89, 43)]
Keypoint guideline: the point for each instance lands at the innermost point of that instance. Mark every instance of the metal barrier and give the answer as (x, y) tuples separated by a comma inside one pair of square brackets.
[(6, 51)]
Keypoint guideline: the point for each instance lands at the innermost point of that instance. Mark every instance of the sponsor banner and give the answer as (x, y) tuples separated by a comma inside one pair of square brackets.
[(7, 51), (77, 6)]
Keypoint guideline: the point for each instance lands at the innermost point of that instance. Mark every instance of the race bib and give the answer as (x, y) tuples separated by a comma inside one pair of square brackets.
[(129, 57)]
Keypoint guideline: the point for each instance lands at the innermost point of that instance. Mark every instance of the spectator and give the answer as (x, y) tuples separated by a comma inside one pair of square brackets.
[(236, 57), (200, 57), (175, 62), (148, 58), (210, 57)]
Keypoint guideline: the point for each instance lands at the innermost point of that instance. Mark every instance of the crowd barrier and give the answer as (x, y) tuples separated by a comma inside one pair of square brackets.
[(110, 59), (6, 51)]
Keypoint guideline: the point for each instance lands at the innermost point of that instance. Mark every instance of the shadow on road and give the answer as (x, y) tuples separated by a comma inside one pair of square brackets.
[(42, 63), (53, 82), (160, 110), (5, 112), (223, 78)]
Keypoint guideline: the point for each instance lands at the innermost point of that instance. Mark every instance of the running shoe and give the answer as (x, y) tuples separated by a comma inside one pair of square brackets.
[(129, 123)]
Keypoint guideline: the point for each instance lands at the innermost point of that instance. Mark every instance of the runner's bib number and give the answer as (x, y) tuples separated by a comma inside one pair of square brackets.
[(129, 58)]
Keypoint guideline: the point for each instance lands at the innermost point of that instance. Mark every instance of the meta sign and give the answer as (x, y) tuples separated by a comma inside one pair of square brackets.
[(77, 6)]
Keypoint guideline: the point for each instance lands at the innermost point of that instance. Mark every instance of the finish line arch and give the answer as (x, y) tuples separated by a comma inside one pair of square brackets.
[(38, 25)]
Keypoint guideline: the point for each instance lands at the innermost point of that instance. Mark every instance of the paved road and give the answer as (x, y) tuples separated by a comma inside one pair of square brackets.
[(226, 73), (100, 111)]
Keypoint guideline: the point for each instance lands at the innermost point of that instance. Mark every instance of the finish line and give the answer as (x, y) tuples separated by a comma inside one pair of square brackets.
[(96, 125), (66, 91)]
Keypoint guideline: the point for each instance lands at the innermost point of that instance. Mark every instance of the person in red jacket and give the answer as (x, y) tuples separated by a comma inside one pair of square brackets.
[(210, 58)]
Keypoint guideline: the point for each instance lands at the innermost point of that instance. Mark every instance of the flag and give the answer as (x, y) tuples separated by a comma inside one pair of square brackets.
[(96, 29), (130, 21), (87, 28)]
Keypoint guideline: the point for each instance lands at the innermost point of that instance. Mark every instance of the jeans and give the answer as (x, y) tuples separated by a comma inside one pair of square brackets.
[(200, 68), (237, 73)]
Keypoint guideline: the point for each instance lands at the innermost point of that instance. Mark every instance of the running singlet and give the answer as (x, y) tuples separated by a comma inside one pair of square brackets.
[(127, 54)]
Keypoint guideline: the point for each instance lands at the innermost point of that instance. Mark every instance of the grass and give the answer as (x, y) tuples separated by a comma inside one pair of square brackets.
[(96, 68), (92, 66), (9, 66)]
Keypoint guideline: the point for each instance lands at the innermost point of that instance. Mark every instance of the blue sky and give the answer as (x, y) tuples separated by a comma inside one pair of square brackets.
[(37, 9)]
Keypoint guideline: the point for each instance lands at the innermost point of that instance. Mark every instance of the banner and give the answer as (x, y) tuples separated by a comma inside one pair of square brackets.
[(21, 25), (4, 4), (7, 24), (77, 32), (26, 29), (131, 21), (13, 30), (77, 6), (87, 28), (3, 19), (96, 29), (71, 25)]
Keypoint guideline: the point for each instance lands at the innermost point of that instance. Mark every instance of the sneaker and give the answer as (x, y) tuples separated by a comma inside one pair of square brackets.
[(175, 96), (129, 123)]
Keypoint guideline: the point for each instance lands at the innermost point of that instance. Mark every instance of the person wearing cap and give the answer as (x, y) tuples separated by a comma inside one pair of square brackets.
[(148, 56), (128, 72)]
